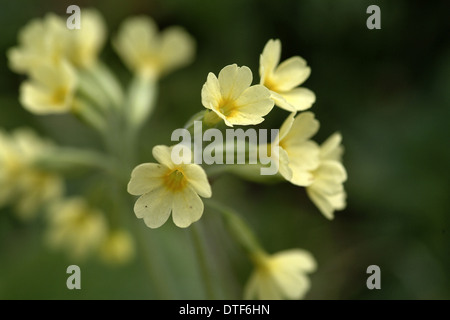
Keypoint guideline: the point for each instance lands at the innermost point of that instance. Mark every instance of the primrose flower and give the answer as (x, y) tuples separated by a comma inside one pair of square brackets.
[(298, 155), (85, 43), (118, 248), (76, 227), (48, 41), (151, 54), (167, 187), (232, 98), (327, 191), (50, 90), (22, 184), (283, 79), (280, 276), (40, 41)]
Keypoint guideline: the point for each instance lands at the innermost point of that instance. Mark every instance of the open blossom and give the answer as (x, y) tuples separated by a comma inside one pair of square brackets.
[(327, 190), (51, 89), (280, 276), (48, 41), (232, 98), (283, 79), (167, 187), (76, 227), (298, 155), (150, 53), (22, 184)]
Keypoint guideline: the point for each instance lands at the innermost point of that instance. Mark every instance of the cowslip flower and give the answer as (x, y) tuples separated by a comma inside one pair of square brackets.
[(50, 90), (283, 79), (280, 276), (232, 98), (166, 187), (118, 247), (298, 155), (40, 41), (22, 184), (84, 44), (149, 53), (76, 227), (48, 40), (326, 190)]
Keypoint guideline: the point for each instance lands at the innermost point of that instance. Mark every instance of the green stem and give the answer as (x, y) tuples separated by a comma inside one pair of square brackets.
[(201, 255)]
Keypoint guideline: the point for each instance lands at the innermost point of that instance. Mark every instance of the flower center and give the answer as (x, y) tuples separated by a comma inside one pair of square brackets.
[(175, 180), (59, 96), (227, 108)]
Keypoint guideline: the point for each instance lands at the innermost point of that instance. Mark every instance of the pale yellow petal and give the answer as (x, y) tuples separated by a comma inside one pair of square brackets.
[(255, 100), (177, 49), (290, 74), (297, 259), (299, 98), (284, 168), (303, 128), (281, 102), (154, 207), (286, 126), (163, 154), (198, 180), (234, 80), (331, 149), (146, 177), (211, 95), (269, 58), (187, 208), (321, 202)]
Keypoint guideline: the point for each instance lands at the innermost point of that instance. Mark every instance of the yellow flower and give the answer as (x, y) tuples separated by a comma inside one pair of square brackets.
[(283, 80), (166, 187), (280, 276), (49, 41), (298, 155), (50, 90), (232, 98), (40, 41), (118, 248), (327, 190), (21, 182), (85, 43), (151, 54), (76, 227)]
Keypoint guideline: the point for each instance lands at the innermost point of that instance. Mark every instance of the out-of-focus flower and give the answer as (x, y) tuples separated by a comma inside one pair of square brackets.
[(280, 276), (118, 247), (41, 41), (327, 190), (50, 90), (233, 99), (152, 54), (85, 43), (298, 155), (75, 227), (283, 79), (167, 187), (49, 41), (23, 184)]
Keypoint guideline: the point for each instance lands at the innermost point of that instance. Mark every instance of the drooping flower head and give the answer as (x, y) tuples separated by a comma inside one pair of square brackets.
[(280, 276), (298, 154), (152, 54), (232, 98), (283, 79), (327, 190), (166, 187)]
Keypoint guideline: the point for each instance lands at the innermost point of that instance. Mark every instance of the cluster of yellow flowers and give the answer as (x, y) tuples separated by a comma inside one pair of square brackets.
[(66, 75)]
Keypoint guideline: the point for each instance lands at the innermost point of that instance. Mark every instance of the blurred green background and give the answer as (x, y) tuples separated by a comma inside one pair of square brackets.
[(387, 91)]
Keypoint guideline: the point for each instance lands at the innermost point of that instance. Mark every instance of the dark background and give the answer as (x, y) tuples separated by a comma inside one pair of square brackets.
[(386, 91)]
